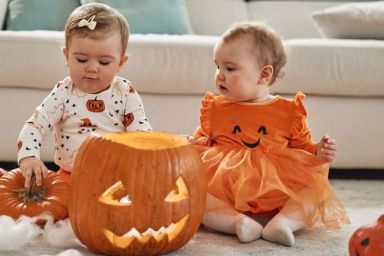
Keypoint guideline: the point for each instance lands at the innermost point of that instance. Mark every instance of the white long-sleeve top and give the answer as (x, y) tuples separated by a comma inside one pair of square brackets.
[(74, 114)]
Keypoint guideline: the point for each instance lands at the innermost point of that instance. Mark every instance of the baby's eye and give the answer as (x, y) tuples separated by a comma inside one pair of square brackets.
[(104, 63), (230, 69), (82, 60)]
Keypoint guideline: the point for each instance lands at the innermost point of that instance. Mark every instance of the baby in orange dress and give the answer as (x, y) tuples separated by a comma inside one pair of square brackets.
[(258, 154)]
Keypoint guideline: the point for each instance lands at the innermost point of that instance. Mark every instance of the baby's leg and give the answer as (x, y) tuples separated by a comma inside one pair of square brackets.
[(280, 228), (220, 217)]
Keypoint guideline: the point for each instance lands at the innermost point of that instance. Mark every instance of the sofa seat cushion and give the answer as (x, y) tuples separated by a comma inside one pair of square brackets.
[(334, 67)]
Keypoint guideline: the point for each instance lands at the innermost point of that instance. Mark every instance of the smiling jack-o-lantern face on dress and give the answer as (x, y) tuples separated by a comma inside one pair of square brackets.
[(261, 130), (138, 193)]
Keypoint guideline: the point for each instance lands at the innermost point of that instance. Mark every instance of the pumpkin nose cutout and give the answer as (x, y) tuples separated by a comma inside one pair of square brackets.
[(180, 192), (116, 195)]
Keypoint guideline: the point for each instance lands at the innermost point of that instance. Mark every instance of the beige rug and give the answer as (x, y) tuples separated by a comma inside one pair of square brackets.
[(363, 200)]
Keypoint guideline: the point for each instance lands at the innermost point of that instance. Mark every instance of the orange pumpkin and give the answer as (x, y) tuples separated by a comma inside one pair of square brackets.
[(50, 198), (136, 193), (368, 240), (95, 105)]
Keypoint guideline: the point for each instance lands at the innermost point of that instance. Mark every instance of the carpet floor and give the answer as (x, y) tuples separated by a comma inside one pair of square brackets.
[(363, 200)]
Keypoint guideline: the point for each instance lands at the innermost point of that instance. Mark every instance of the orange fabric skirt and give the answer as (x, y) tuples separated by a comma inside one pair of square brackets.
[(262, 182)]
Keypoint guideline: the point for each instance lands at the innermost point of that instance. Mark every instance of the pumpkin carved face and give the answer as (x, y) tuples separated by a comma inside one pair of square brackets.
[(368, 239), (136, 193)]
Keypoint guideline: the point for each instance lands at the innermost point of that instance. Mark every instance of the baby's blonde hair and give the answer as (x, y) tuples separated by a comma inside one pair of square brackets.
[(267, 45), (108, 21)]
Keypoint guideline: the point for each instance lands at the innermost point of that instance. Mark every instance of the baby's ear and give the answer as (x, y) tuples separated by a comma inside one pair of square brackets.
[(123, 60), (65, 52), (266, 74)]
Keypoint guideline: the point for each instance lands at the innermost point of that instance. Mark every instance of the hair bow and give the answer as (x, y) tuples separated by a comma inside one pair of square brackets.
[(90, 23)]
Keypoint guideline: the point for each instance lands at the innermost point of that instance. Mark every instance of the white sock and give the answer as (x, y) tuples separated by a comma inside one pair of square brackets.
[(280, 230), (247, 229), (221, 217), (233, 223)]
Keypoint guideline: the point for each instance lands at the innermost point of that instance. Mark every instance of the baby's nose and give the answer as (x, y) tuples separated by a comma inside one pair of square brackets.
[(93, 67)]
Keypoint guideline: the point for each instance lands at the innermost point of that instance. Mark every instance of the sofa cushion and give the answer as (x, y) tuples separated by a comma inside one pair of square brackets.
[(3, 10), (165, 64), (39, 14), (353, 20), (183, 64), (293, 20), (152, 16), (343, 67), (176, 64), (213, 17)]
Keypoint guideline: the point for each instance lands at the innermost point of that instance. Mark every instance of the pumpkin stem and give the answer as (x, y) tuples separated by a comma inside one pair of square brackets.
[(32, 193)]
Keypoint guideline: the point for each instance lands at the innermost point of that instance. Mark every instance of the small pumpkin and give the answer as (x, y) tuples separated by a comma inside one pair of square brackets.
[(95, 105), (368, 239), (50, 198), (136, 193)]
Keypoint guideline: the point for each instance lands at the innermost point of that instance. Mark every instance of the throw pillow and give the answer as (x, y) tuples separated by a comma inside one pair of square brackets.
[(39, 14), (3, 9), (152, 16), (351, 21)]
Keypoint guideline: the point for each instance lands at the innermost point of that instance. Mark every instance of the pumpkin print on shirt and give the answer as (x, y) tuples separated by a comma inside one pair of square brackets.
[(73, 115), (95, 105), (87, 126)]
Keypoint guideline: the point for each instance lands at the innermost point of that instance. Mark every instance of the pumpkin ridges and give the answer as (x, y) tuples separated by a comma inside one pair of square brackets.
[(15, 207), (97, 151)]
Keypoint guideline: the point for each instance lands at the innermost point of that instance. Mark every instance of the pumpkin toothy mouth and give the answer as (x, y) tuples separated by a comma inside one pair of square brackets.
[(125, 240)]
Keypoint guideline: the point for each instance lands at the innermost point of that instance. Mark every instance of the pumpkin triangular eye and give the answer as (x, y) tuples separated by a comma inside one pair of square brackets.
[(116, 195), (180, 192)]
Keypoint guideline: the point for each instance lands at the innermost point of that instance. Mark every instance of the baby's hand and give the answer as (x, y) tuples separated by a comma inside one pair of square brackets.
[(30, 165), (327, 149), (191, 138)]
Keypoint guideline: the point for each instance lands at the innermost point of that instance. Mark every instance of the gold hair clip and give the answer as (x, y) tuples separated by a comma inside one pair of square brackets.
[(90, 23)]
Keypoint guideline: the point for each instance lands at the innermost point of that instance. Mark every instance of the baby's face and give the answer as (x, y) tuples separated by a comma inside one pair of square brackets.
[(93, 63), (238, 73)]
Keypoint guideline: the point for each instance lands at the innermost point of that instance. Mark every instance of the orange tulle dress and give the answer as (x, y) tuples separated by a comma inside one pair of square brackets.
[(256, 156)]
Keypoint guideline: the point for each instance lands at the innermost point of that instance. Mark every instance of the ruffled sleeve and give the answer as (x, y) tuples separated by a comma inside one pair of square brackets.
[(205, 116), (301, 136)]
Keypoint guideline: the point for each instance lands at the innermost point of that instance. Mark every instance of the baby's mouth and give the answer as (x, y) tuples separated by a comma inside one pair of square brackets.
[(222, 87), (90, 78)]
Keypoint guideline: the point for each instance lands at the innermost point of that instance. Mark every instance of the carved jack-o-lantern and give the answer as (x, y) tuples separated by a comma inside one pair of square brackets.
[(368, 239), (95, 105), (136, 193)]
